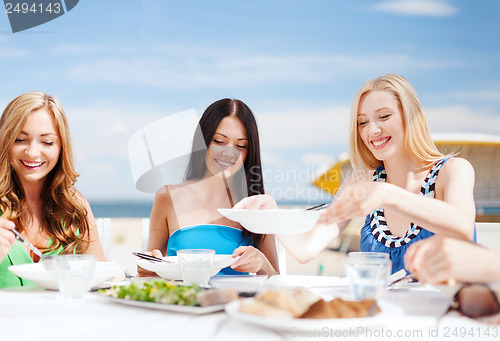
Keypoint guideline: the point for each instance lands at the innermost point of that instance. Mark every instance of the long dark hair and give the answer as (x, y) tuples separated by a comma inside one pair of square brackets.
[(247, 181)]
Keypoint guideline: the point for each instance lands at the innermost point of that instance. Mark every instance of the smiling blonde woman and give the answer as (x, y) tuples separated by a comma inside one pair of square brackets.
[(401, 183), (37, 193)]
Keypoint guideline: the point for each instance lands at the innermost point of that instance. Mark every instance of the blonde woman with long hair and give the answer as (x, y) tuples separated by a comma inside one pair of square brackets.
[(37, 193), (401, 183)]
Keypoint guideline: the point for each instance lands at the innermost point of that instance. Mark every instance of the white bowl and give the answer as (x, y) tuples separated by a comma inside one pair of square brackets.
[(37, 273), (172, 270), (275, 221)]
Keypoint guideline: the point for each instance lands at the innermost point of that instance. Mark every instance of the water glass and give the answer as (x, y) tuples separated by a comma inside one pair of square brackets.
[(74, 274), (368, 273), (196, 265)]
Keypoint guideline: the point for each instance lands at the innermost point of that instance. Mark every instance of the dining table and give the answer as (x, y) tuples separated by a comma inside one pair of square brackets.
[(409, 312)]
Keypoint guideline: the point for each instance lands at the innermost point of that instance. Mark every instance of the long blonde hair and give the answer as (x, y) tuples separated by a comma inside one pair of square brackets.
[(64, 216), (417, 137)]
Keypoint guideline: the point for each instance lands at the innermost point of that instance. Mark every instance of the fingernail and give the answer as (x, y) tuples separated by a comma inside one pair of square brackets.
[(11, 224)]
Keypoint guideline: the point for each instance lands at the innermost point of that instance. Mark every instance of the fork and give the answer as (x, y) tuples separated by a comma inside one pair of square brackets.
[(150, 258), (318, 207), (46, 260), (409, 276)]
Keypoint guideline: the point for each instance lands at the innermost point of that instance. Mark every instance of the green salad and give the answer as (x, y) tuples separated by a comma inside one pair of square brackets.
[(159, 291)]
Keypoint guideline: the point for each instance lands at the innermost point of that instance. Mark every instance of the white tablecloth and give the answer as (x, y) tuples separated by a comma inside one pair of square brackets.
[(33, 313)]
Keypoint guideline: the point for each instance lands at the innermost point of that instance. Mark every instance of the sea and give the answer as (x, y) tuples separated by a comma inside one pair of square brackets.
[(121, 209)]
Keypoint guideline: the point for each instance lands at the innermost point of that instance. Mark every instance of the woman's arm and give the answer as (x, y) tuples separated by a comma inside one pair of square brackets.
[(158, 229), (438, 259), (305, 246), (95, 247), (454, 215), (158, 222)]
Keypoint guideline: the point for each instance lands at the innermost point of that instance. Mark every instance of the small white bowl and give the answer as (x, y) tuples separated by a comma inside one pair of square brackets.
[(172, 270), (37, 273), (273, 221)]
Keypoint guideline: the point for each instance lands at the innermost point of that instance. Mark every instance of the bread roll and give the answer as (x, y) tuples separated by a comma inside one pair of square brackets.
[(216, 296), (339, 308)]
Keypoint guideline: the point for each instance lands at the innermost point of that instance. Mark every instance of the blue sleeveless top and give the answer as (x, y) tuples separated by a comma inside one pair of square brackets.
[(223, 239), (376, 235)]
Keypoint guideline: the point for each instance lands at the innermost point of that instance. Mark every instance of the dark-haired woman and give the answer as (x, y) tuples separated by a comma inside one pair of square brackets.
[(224, 168)]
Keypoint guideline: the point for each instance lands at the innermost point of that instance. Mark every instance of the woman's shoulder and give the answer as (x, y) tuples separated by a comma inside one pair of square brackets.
[(456, 168), (454, 164), (164, 194), (165, 191), (81, 198)]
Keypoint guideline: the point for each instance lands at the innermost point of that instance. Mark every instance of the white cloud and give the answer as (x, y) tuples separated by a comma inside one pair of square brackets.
[(7, 52), (208, 68), (104, 169), (304, 128), (429, 8), (106, 134), (478, 95), (463, 118)]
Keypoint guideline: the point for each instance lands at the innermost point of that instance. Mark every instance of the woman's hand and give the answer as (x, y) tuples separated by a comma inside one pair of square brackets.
[(251, 259), (257, 202), (354, 200), (439, 259), (146, 273), (7, 238)]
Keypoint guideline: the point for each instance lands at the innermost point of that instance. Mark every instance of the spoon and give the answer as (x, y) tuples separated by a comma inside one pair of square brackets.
[(46, 260)]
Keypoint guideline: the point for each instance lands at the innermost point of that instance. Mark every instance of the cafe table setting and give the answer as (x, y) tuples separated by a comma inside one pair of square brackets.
[(410, 311), (191, 300)]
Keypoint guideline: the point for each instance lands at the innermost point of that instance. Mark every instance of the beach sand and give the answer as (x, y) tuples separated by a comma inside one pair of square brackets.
[(126, 237)]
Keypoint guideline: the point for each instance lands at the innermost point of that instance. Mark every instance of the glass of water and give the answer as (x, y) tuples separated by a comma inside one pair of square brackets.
[(196, 265), (368, 273), (74, 274)]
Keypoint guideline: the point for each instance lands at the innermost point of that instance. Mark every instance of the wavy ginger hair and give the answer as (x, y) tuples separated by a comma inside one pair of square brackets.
[(418, 140), (62, 210)]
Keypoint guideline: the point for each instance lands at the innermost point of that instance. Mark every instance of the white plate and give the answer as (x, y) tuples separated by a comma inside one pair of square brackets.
[(37, 273), (195, 310), (388, 311), (172, 270), (242, 283), (275, 221)]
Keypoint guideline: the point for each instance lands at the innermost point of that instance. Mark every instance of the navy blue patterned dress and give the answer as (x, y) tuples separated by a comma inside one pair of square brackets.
[(376, 235)]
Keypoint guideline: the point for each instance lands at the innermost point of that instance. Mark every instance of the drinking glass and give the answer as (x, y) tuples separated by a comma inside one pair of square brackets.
[(368, 273), (74, 274), (196, 265)]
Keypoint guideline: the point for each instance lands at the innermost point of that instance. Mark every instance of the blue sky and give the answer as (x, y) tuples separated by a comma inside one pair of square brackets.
[(120, 65)]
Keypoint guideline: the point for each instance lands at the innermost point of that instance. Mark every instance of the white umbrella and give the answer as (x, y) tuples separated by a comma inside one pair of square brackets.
[(160, 151)]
